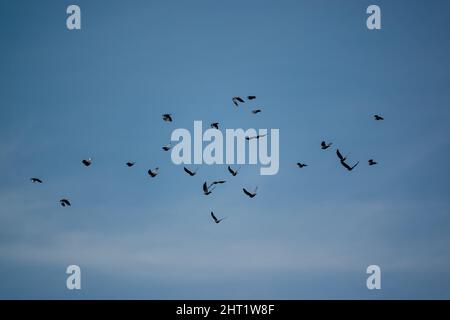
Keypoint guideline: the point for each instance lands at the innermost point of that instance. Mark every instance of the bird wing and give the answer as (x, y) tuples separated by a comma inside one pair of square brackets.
[(188, 171), (246, 192), (355, 165), (205, 187), (323, 144), (240, 99), (231, 170), (339, 154), (213, 216), (346, 166)]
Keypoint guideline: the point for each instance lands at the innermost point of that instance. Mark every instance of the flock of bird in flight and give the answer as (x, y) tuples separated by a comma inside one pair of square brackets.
[(208, 188)]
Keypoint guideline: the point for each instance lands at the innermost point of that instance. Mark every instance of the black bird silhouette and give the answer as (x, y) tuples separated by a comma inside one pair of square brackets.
[(219, 182), (251, 97), (301, 165), (236, 100), (87, 162), (64, 202), (215, 218), (372, 162), (343, 159), (324, 145), (340, 155), (207, 189), (189, 172), (215, 125), (153, 173), (34, 180), (130, 164), (233, 172), (167, 147), (378, 118), (250, 194), (167, 117), (256, 137), (255, 111), (346, 166)]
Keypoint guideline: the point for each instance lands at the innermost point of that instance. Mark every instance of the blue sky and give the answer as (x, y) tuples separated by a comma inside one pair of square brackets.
[(318, 74)]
